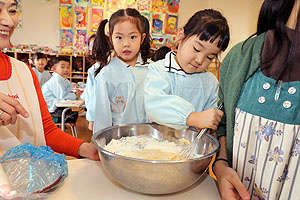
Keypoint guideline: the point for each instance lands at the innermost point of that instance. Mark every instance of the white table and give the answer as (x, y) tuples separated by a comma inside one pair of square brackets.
[(87, 180)]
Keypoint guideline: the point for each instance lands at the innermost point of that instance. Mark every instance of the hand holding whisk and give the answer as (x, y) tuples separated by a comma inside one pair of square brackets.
[(188, 151)]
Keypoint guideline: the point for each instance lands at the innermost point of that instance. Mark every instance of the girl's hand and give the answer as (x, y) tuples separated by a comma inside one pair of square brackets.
[(78, 93), (230, 185), (88, 150), (9, 109), (91, 125), (207, 119)]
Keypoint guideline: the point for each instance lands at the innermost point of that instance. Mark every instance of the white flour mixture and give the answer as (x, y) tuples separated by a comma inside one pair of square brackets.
[(144, 147)]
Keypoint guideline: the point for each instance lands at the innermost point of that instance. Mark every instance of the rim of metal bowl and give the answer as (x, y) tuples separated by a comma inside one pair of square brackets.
[(150, 161)]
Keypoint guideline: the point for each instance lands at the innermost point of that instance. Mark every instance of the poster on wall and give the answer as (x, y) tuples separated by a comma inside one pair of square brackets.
[(114, 4), (109, 13), (158, 23), (82, 2), (80, 17), (65, 1), (159, 6), (98, 3), (171, 24), (66, 37), (130, 3), (79, 38), (170, 41), (173, 6), (96, 18), (147, 15), (144, 5), (65, 13), (158, 40)]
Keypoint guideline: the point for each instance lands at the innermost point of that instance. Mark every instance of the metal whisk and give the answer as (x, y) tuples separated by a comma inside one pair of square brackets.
[(188, 151)]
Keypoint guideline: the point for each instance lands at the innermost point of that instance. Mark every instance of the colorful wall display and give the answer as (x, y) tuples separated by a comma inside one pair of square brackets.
[(171, 24), (79, 19), (65, 13), (97, 17), (98, 3), (65, 1), (66, 37)]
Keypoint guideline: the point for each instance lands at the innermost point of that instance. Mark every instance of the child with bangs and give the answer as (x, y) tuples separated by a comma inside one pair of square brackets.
[(120, 79), (179, 91)]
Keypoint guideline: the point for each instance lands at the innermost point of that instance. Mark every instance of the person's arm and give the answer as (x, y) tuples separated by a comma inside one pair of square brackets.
[(58, 140), (162, 107), (229, 182)]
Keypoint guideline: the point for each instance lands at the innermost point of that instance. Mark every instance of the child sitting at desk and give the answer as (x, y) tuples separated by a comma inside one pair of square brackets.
[(58, 88)]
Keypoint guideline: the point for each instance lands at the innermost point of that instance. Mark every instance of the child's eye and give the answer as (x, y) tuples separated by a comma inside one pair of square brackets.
[(196, 49), (119, 37), (133, 37), (210, 58)]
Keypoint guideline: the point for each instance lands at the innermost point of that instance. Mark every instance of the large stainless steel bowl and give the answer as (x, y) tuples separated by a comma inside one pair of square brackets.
[(152, 176)]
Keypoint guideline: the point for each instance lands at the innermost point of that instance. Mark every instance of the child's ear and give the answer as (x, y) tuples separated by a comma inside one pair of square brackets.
[(180, 36), (143, 37), (53, 68)]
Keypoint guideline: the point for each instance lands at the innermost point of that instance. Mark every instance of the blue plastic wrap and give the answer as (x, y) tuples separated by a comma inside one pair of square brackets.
[(33, 169)]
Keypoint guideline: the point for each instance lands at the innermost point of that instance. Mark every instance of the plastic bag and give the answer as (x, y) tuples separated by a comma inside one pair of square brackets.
[(31, 170)]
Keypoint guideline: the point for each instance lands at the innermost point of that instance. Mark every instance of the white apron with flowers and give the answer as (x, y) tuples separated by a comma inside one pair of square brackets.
[(266, 143)]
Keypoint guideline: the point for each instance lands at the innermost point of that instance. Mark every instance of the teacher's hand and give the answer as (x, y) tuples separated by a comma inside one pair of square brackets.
[(230, 185), (88, 150), (9, 109)]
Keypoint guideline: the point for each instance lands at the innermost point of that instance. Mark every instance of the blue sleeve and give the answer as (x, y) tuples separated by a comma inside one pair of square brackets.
[(103, 115), (161, 105), (90, 96)]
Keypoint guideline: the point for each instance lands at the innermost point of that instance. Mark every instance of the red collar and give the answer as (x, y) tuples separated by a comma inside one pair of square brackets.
[(5, 66)]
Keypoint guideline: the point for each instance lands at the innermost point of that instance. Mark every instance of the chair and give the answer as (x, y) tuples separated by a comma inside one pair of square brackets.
[(71, 125)]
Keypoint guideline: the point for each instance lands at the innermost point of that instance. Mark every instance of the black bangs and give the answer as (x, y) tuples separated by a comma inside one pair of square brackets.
[(213, 31), (208, 25)]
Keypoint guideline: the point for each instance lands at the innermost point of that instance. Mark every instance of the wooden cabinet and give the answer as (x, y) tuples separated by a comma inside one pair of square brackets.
[(79, 64)]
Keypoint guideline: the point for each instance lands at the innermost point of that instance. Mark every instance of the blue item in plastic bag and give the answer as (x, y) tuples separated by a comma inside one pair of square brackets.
[(33, 169)]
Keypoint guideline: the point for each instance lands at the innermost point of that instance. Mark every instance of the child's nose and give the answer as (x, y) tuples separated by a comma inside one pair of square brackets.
[(126, 43), (199, 59)]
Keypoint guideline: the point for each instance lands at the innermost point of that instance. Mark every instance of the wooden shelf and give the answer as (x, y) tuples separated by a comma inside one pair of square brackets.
[(76, 62)]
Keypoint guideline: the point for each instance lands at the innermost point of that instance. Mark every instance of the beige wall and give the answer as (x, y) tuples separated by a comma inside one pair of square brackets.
[(40, 20)]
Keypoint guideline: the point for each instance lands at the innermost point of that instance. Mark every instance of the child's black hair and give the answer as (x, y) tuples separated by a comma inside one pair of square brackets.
[(90, 38), (61, 58), (38, 55), (102, 48), (160, 53), (208, 25)]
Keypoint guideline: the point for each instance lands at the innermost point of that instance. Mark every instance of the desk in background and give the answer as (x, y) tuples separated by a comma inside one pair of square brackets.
[(68, 104), (87, 180)]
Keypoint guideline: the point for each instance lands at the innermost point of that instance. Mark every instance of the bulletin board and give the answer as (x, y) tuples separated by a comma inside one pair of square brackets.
[(79, 19)]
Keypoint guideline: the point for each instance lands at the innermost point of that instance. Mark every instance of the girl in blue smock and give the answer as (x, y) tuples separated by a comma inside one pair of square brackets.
[(120, 79), (179, 91)]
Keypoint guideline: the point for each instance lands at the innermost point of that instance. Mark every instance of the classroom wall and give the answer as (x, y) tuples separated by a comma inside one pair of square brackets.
[(41, 27)]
